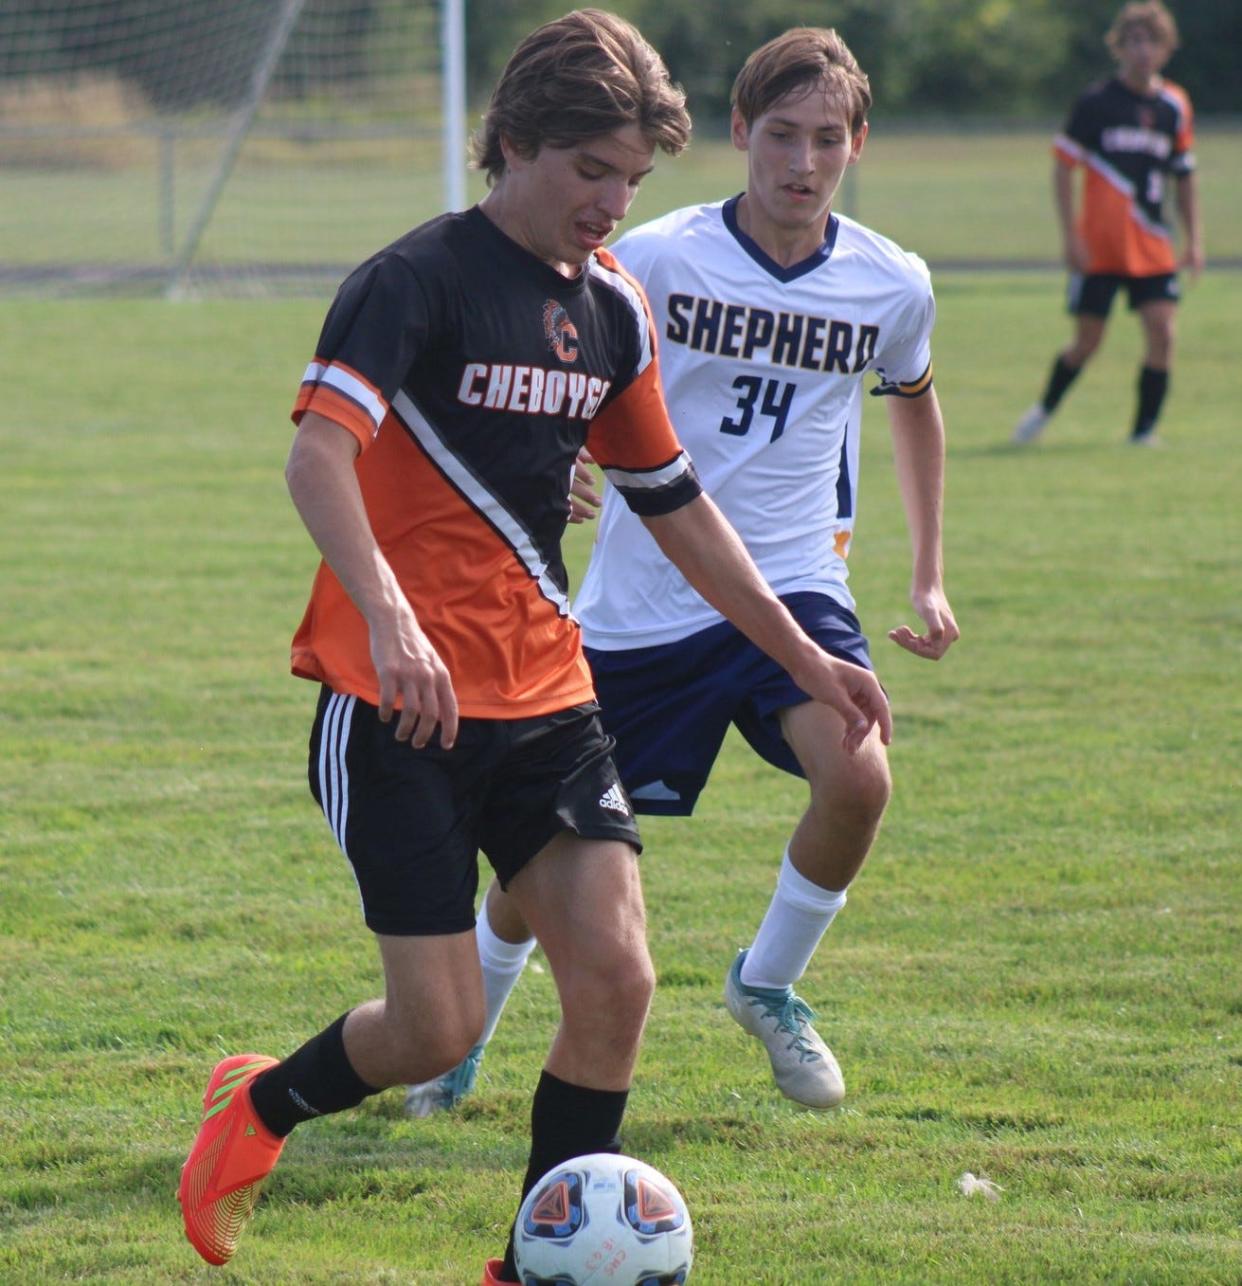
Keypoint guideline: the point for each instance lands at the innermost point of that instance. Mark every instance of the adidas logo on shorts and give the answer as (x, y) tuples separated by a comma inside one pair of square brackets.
[(614, 800)]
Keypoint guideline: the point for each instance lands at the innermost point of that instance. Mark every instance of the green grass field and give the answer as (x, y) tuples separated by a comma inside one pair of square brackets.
[(1035, 980)]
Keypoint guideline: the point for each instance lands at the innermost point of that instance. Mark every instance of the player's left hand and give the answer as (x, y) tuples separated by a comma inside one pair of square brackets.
[(937, 615), (584, 500), (1193, 260)]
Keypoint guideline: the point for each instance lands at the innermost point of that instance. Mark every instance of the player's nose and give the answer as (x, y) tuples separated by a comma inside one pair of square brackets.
[(801, 157), (615, 198)]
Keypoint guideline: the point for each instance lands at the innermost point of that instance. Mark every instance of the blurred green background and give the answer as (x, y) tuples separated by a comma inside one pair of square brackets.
[(143, 149)]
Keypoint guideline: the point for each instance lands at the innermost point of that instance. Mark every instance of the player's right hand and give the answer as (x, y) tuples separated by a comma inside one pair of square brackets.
[(855, 694), (1077, 259), (584, 497), (408, 667)]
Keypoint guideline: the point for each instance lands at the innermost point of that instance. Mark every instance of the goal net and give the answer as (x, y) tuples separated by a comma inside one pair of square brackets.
[(233, 147)]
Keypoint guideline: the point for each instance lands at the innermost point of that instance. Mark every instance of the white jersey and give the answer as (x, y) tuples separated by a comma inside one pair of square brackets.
[(763, 373)]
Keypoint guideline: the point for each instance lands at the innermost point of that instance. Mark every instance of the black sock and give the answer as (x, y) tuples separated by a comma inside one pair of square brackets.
[(1062, 376), (567, 1121), (313, 1081), (1152, 386)]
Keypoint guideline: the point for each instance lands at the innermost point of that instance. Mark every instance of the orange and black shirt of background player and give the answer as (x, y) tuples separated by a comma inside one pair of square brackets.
[(1129, 144)]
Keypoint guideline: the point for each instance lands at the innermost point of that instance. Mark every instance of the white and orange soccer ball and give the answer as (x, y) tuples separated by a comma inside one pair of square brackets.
[(603, 1219)]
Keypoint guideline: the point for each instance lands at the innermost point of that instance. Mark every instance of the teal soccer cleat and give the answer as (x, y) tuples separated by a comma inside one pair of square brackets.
[(445, 1091), (802, 1064)]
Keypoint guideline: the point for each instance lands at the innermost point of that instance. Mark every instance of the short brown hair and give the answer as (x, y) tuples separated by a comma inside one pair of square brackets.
[(802, 58), (1152, 16), (581, 76)]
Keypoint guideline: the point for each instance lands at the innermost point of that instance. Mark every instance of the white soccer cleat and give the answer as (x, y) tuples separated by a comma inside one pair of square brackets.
[(802, 1064), (1030, 426)]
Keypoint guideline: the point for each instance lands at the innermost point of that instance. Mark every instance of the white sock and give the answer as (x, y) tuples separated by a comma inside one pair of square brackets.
[(797, 917), (502, 964)]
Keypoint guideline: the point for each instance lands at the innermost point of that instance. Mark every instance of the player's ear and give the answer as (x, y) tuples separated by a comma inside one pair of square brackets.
[(513, 155), (739, 132), (857, 139)]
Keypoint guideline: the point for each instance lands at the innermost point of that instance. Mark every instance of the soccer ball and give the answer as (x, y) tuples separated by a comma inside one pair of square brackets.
[(605, 1220)]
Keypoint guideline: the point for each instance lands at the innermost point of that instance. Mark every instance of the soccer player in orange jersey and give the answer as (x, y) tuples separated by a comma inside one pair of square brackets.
[(458, 374), (1130, 133)]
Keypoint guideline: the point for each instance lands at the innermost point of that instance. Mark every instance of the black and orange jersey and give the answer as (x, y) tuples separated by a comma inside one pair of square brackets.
[(471, 374), (1129, 143)]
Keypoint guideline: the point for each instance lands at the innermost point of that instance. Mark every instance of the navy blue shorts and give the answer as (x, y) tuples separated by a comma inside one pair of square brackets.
[(668, 707), (1092, 296), (412, 822)]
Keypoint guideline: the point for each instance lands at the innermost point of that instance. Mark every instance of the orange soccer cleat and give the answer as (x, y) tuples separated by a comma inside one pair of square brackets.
[(233, 1154), (491, 1273)]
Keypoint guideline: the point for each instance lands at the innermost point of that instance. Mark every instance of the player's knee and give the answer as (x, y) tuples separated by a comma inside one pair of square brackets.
[(1160, 346), (874, 788), (615, 990), (628, 986), (640, 986), (861, 794)]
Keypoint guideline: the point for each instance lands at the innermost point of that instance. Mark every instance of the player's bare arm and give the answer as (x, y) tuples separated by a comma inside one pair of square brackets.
[(1074, 248), (1188, 211), (323, 484), (707, 551), (918, 451)]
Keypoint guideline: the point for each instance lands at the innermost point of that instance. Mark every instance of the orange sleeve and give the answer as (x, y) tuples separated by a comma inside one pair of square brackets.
[(342, 395), (634, 430), (1185, 141)]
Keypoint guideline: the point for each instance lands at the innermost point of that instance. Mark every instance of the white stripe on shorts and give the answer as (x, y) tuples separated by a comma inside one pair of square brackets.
[(333, 774), (324, 734)]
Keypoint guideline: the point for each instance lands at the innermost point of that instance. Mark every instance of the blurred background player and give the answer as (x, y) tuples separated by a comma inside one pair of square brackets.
[(458, 374), (1129, 132), (770, 310)]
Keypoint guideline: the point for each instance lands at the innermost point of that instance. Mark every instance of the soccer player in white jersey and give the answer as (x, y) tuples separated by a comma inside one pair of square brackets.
[(771, 312)]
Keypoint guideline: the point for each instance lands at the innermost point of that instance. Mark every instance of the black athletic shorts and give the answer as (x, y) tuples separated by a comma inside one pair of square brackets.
[(412, 822), (1092, 295)]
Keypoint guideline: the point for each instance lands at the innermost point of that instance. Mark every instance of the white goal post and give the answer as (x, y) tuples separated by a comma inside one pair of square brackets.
[(239, 147)]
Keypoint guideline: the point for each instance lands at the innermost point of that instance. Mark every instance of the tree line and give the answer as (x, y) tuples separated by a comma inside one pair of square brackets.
[(1016, 59), (960, 59)]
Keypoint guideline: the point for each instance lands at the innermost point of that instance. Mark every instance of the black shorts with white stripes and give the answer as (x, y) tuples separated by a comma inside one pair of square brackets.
[(412, 822)]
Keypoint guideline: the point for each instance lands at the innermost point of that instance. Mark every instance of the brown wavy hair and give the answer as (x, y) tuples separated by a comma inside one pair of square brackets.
[(581, 76), (802, 58), (1152, 16)]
